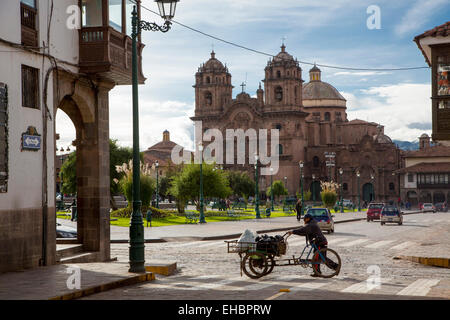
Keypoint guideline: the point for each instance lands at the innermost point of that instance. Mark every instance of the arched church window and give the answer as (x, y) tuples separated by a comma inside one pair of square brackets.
[(327, 116), (278, 74), (278, 94), (391, 186), (345, 186), (208, 98), (280, 149), (316, 161), (278, 126), (208, 80)]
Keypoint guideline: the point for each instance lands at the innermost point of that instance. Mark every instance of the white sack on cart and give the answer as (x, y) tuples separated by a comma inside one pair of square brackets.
[(247, 236)]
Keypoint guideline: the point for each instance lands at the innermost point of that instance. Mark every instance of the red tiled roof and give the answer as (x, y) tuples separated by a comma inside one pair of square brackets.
[(442, 31), (427, 167), (436, 151)]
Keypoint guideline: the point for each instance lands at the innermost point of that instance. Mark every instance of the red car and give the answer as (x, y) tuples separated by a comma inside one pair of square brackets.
[(374, 211)]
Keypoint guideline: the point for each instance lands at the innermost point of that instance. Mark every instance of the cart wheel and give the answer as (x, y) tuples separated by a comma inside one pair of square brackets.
[(255, 265), (326, 263), (271, 262)]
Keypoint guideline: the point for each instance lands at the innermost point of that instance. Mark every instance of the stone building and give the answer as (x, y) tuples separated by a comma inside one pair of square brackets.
[(46, 66), (312, 121), (426, 172)]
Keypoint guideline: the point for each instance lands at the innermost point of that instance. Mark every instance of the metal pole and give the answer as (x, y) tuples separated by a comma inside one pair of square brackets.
[(157, 188), (359, 197), (202, 212), (342, 204), (258, 216), (302, 211), (271, 191), (137, 256)]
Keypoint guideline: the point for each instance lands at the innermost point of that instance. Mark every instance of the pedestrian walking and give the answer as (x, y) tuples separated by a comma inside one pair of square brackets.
[(298, 208)]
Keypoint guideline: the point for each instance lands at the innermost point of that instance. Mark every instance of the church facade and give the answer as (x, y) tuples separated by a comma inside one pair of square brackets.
[(313, 128)]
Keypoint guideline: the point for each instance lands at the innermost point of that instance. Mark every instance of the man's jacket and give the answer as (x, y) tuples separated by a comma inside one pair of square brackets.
[(312, 231)]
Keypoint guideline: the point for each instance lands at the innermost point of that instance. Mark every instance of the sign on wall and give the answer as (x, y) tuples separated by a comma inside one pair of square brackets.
[(31, 140)]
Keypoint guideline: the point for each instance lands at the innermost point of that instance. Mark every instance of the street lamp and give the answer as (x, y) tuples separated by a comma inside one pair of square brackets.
[(301, 185), (372, 177), (341, 172), (358, 174), (137, 254), (258, 216), (157, 183), (314, 189), (202, 212), (271, 188)]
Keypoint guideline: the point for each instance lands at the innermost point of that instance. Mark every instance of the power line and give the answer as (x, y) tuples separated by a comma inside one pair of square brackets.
[(272, 56)]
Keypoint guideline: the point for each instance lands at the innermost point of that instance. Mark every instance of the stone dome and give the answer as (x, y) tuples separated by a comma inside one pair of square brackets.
[(315, 90), (382, 138), (283, 55), (214, 64)]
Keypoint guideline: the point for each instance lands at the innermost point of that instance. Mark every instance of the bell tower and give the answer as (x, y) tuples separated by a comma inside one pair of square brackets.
[(283, 81), (213, 87)]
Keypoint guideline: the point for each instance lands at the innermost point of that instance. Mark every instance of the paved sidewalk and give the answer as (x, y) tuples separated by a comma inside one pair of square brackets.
[(50, 282)]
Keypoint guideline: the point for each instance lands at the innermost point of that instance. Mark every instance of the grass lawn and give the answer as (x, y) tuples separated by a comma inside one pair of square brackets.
[(246, 214)]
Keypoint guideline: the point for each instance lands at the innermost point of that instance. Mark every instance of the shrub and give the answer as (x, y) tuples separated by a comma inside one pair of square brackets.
[(156, 213)]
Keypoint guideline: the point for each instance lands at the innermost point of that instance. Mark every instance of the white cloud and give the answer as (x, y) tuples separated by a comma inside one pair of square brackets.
[(361, 73), (394, 106), (418, 15)]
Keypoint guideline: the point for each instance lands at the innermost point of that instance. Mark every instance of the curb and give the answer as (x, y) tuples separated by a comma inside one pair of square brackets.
[(222, 237), (106, 286), (433, 262)]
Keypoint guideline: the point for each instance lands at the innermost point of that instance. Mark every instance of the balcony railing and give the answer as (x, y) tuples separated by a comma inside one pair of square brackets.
[(28, 21), (107, 52)]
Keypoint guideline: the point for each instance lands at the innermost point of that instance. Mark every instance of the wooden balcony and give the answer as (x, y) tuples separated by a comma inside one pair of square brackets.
[(28, 21), (107, 53)]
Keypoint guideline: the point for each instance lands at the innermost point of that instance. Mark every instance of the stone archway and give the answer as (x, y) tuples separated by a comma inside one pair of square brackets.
[(87, 105), (368, 192), (411, 197), (315, 189), (438, 197)]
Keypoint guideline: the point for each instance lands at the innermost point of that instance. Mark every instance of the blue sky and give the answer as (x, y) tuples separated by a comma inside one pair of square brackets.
[(332, 33)]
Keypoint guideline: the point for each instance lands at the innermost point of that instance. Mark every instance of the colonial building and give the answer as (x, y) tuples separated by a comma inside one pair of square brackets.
[(50, 60), (435, 46), (161, 153), (426, 173), (312, 122)]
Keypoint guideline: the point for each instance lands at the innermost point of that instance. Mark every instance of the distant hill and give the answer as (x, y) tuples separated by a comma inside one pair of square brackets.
[(407, 145)]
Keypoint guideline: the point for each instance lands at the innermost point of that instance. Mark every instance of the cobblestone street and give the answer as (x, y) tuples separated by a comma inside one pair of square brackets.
[(206, 271)]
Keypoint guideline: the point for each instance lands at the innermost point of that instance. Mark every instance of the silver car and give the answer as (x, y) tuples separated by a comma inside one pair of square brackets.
[(323, 217), (391, 214)]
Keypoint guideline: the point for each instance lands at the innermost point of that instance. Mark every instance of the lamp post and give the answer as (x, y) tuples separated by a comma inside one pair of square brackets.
[(271, 189), (341, 172), (258, 215), (301, 185), (359, 198), (137, 254), (372, 177), (157, 183), (314, 189), (202, 212)]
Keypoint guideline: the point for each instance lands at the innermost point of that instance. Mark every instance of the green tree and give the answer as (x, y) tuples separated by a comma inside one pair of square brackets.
[(186, 185), (240, 183), (278, 189), (147, 189), (117, 156), (68, 174), (306, 194), (329, 193)]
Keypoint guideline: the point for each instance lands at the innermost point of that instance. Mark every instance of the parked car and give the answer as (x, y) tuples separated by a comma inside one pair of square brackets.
[(428, 207), (65, 231), (374, 211), (347, 203), (441, 206), (391, 214), (323, 217)]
